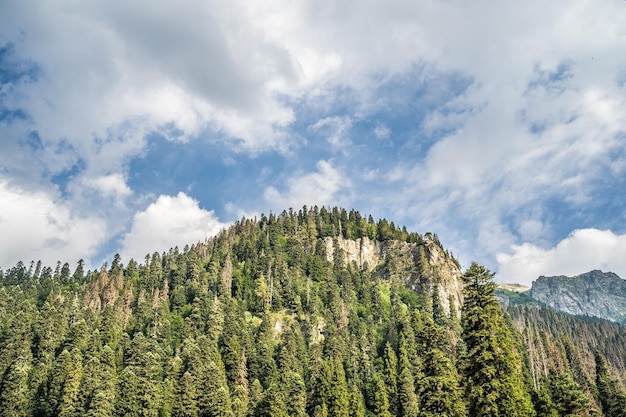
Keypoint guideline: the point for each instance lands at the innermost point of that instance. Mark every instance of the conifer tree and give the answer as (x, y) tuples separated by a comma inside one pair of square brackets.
[(391, 378), (102, 402), (439, 390), (186, 404), (612, 396), (272, 404), (408, 403), (357, 405), (491, 369), (241, 392), (15, 400), (295, 390), (65, 384), (330, 390), (567, 396), (378, 402)]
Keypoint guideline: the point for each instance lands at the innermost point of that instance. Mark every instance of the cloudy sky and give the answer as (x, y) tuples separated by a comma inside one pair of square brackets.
[(133, 126)]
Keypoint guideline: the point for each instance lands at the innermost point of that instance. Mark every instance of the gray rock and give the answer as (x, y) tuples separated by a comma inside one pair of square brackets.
[(595, 293)]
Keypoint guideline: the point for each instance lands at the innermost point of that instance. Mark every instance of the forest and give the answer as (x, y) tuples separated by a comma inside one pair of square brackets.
[(274, 317)]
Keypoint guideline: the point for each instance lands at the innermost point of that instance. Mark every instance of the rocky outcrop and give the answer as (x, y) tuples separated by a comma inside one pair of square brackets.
[(420, 266), (595, 293)]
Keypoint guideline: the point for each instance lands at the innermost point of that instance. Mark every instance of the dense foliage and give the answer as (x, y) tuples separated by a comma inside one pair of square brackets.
[(271, 318)]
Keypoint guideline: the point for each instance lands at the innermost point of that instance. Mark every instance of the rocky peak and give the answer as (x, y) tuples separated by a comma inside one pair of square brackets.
[(594, 293)]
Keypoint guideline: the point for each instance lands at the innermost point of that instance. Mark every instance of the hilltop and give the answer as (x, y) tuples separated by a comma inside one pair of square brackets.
[(319, 312)]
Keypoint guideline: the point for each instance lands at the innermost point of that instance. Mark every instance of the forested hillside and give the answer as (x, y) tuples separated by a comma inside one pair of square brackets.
[(320, 312)]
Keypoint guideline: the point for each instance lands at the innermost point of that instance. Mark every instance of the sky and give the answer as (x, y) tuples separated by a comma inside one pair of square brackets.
[(136, 126)]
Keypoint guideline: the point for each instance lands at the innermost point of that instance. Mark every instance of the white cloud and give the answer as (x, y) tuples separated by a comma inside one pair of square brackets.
[(146, 68), (382, 131), (112, 73), (110, 185), (316, 188), (582, 251), (36, 225), (166, 223), (334, 129)]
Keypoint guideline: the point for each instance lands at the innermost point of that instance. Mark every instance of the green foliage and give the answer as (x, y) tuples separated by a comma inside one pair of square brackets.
[(491, 369), (439, 392), (271, 318), (378, 399), (567, 396), (611, 394)]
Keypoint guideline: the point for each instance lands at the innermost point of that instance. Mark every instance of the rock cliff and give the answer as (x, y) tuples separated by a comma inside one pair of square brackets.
[(595, 293), (418, 265)]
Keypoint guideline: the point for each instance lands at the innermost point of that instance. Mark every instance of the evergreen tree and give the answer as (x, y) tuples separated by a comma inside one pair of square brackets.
[(330, 390), (391, 378), (408, 403), (295, 390), (357, 405), (440, 394), (378, 402), (611, 394), (542, 399), (186, 404), (567, 396), (272, 404), (65, 384), (491, 369), (102, 401), (15, 400)]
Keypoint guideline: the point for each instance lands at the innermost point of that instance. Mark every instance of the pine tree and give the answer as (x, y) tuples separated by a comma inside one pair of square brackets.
[(408, 403), (186, 404), (330, 390), (542, 399), (15, 400), (357, 405), (378, 402), (567, 396), (295, 390), (612, 395), (102, 402), (65, 384), (391, 378), (491, 370), (272, 404), (439, 390)]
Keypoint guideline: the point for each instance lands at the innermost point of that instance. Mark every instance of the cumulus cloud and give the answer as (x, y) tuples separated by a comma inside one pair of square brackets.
[(316, 188), (166, 223), (110, 185), (541, 118), (582, 251), (147, 67), (35, 224)]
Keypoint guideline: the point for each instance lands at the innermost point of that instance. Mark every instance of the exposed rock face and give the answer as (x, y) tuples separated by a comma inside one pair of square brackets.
[(362, 251), (418, 265), (595, 293)]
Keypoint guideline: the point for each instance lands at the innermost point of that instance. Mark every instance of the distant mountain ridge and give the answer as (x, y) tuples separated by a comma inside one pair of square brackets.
[(595, 293)]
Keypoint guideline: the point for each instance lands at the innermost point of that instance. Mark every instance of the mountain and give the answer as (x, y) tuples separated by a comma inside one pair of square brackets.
[(319, 312), (595, 293)]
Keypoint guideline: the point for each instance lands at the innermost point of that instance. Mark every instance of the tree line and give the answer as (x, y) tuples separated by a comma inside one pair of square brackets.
[(259, 321)]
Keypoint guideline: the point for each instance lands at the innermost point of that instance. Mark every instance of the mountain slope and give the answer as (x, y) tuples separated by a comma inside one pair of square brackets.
[(320, 312), (595, 293)]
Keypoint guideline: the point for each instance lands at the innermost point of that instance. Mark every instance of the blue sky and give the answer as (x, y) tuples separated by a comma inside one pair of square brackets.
[(133, 127)]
